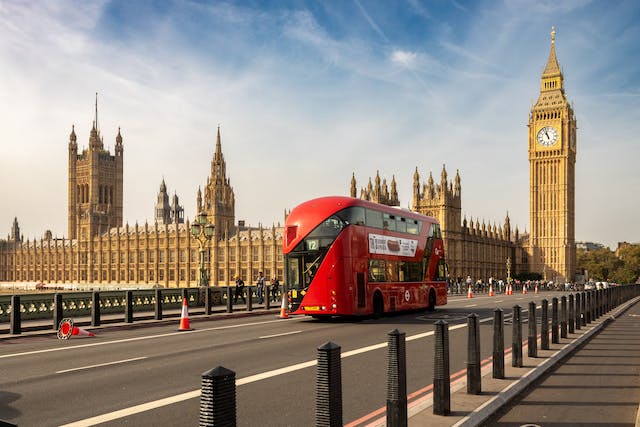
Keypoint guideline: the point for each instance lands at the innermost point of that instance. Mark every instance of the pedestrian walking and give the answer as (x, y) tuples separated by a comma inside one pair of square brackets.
[(275, 287), (260, 288), (239, 291)]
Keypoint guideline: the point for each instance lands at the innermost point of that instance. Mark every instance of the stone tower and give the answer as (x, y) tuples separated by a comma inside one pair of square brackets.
[(163, 209), (552, 158), (95, 185), (378, 192), (442, 201), (219, 200)]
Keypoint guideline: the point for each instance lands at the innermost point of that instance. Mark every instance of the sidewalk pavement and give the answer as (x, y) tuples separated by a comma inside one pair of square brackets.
[(497, 394)]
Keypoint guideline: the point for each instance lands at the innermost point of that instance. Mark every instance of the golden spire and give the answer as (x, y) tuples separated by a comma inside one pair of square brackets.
[(552, 68)]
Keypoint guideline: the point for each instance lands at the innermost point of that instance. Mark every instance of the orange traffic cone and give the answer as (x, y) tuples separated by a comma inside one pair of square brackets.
[(470, 293), (66, 330), (490, 290), (524, 289), (283, 308), (536, 291), (509, 289), (184, 317)]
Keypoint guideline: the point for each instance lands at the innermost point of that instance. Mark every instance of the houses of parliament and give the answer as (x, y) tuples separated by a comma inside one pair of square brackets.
[(100, 250)]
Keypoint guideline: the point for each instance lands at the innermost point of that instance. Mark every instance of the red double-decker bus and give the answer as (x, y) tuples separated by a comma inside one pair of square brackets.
[(346, 256)]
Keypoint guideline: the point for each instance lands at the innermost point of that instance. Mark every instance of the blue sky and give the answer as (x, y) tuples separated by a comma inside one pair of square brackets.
[(307, 93)]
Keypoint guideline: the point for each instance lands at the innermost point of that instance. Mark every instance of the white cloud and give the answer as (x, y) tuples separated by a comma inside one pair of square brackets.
[(404, 58)]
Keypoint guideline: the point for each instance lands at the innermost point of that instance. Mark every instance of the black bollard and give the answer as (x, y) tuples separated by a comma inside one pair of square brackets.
[(585, 308), (128, 310), (229, 300), (588, 307), (396, 379), (563, 317), (158, 305), (95, 309), (544, 325), (441, 377), (249, 298), (207, 300), (578, 312), (498, 343), (474, 380), (572, 315), (185, 294), (218, 398), (267, 298), (532, 339), (329, 386), (516, 338), (555, 336), (57, 311), (15, 328)]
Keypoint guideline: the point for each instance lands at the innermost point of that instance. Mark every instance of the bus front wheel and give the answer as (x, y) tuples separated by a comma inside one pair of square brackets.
[(378, 305)]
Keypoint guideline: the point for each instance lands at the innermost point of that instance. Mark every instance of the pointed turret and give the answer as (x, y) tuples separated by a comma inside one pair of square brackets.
[(552, 78), (456, 188), (395, 201), (119, 147), (353, 192)]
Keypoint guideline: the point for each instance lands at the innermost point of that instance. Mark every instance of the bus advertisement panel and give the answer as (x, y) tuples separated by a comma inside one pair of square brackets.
[(346, 256)]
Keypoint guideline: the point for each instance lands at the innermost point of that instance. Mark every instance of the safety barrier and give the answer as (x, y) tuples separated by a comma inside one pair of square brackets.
[(218, 395), (132, 305)]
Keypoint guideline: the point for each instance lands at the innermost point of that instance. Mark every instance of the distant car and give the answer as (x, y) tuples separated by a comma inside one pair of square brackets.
[(589, 286)]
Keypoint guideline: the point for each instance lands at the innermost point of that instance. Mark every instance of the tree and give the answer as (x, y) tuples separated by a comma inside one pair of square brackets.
[(622, 266)]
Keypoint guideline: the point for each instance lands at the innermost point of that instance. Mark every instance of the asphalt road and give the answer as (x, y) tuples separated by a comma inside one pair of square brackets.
[(105, 379)]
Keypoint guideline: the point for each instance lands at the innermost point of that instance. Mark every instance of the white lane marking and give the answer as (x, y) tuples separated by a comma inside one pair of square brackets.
[(102, 364), (471, 305), (279, 335), (242, 381), (499, 300), (217, 328)]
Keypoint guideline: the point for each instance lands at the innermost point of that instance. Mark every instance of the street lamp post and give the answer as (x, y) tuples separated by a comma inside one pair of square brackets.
[(508, 270), (202, 231)]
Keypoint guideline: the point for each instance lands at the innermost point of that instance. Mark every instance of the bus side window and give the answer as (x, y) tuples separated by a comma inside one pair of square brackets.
[(442, 271)]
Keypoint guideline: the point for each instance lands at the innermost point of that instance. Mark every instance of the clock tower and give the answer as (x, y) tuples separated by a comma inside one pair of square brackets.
[(552, 158)]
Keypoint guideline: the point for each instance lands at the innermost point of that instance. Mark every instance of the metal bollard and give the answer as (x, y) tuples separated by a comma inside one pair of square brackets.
[(585, 308), (207, 300), (57, 311), (128, 310), (563, 317), (498, 343), (571, 315), (544, 325), (158, 305), (396, 379), (185, 294), (15, 327), (267, 298), (218, 398), (578, 312), (95, 309), (249, 298), (588, 308), (474, 380), (329, 386), (441, 376), (555, 336), (516, 338), (229, 300), (532, 339)]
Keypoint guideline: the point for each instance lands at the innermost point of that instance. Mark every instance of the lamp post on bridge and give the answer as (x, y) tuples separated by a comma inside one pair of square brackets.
[(202, 231), (508, 270)]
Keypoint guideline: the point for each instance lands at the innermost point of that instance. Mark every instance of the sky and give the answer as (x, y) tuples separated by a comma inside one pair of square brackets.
[(307, 93)]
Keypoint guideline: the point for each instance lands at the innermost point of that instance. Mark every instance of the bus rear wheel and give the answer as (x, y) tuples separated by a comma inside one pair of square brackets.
[(378, 305)]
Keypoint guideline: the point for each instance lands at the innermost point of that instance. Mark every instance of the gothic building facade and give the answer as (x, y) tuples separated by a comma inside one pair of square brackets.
[(101, 251)]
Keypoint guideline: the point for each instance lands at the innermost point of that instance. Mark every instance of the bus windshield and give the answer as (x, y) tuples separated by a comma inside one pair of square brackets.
[(302, 262)]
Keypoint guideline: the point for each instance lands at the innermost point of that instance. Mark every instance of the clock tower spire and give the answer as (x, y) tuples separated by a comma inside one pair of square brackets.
[(552, 157)]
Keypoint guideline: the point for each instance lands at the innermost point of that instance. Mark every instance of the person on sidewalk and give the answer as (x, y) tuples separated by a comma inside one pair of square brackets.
[(239, 291), (260, 288), (275, 287)]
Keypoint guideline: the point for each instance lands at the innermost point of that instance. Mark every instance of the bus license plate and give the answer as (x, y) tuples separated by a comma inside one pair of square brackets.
[(312, 308)]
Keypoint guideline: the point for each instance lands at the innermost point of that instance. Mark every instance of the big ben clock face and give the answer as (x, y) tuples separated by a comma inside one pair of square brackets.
[(547, 136)]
